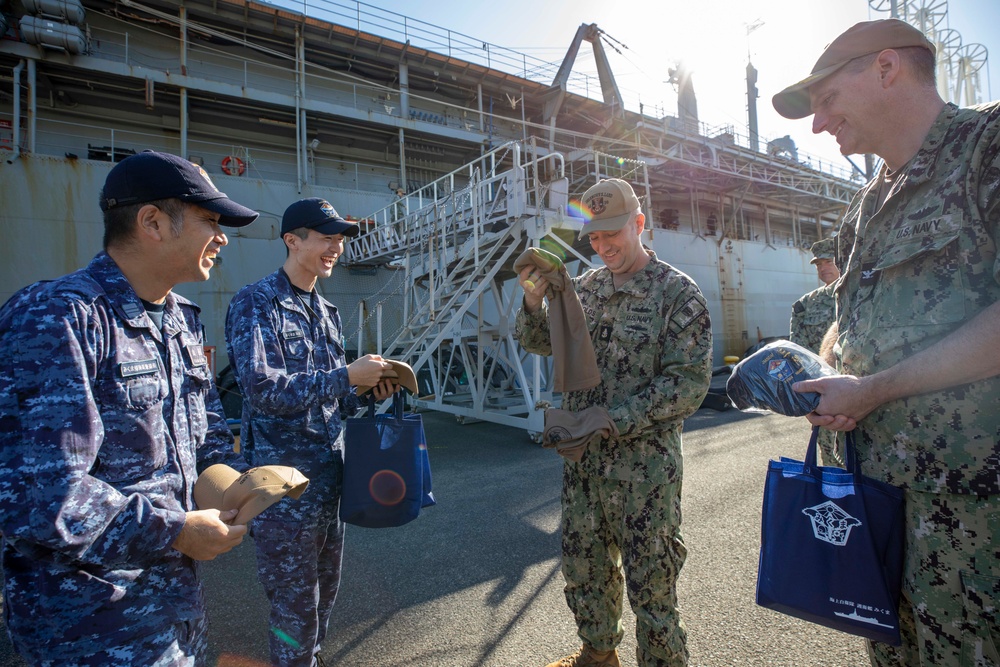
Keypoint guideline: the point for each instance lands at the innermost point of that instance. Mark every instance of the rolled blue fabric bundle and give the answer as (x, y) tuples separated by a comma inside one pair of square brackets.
[(764, 380)]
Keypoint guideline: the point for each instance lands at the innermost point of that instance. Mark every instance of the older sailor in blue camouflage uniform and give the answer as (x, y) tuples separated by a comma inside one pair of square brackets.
[(621, 504), (286, 346), (919, 328), (108, 411)]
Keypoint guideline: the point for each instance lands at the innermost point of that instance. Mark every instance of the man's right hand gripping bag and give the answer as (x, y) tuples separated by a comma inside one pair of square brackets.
[(387, 474)]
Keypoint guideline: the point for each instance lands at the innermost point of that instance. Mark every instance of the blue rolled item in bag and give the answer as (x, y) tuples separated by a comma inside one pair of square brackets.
[(764, 379), (831, 546), (387, 473)]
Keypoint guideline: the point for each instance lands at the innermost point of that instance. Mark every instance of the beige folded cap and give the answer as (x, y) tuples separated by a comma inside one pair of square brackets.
[(222, 488), (400, 372)]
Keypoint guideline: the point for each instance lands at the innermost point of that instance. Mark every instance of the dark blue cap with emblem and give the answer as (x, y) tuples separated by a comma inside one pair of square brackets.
[(151, 176), (319, 214)]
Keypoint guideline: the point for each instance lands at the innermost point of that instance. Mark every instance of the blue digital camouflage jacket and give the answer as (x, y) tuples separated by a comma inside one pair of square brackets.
[(105, 421), (288, 356)]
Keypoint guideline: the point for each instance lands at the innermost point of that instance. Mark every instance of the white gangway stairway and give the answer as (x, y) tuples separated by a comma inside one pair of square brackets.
[(456, 239)]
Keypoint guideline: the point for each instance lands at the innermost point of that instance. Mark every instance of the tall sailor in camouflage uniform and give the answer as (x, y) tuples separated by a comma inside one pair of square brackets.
[(285, 344), (107, 413), (812, 316), (622, 502), (919, 327)]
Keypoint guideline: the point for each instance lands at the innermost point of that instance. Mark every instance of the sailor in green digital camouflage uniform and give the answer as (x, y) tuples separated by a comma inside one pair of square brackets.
[(812, 316), (814, 312), (621, 503), (919, 328)]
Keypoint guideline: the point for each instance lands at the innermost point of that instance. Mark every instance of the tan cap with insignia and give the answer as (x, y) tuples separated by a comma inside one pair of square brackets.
[(612, 204), (858, 40)]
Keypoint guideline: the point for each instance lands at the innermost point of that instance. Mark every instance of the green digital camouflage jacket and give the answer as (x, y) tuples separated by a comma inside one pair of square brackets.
[(922, 266), (812, 316), (653, 340)]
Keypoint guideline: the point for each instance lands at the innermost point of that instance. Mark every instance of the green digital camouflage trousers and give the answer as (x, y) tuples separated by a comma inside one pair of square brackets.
[(831, 450), (608, 524), (950, 612)]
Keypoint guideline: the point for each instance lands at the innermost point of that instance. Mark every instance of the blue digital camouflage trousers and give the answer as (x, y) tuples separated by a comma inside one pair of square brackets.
[(181, 645), (949, 615), (298, 563), (610, 524)]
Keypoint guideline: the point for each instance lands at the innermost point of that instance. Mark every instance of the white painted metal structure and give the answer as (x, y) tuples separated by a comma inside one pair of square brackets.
[(959, 64), (456, 239)]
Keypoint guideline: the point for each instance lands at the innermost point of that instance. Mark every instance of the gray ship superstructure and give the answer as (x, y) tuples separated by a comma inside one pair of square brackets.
[(453, 155)]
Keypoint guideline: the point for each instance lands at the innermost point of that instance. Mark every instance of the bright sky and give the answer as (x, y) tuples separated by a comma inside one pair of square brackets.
[(710, 36)]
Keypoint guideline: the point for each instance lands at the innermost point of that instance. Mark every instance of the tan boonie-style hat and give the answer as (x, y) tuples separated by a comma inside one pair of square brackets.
[(612, 204), (220, 487), (401, 372), (858, 40), (824, 249)]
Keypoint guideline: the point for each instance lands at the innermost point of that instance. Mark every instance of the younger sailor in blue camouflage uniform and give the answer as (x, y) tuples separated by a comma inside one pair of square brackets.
[(919, 328), (108, 411), (621, 502), (286, 346)]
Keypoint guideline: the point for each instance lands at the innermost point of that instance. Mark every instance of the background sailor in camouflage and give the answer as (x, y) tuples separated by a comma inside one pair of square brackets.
[(812, 316), (919, 329), (287, 349), (621, 503), (107, 413), (815, 311)]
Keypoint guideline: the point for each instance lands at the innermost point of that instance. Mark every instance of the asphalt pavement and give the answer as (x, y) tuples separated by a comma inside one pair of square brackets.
[(475, 581)]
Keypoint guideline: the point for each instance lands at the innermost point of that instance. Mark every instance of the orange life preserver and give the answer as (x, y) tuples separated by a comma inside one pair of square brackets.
[(231, 163)]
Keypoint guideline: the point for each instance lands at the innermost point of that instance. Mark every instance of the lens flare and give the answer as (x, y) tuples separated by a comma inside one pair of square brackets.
[(576, 209), (553, 247), (620, 161), (233, 660), (387, 487), (285, 637)]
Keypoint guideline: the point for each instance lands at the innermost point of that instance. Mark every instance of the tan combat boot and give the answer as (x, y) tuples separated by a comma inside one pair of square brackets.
[(589, 657)]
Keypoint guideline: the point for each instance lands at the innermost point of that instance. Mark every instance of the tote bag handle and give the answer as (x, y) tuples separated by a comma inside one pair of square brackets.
[(851, 463)]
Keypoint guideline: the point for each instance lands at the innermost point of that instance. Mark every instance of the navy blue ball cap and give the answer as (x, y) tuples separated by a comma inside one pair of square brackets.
[(764, 380), (151, 176), (319, 214)]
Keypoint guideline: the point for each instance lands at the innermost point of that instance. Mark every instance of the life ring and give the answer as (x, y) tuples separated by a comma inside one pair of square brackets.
[(231, 164)]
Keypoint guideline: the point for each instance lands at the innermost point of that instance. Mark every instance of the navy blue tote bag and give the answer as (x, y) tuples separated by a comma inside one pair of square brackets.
[(387, 474), (831, 546)]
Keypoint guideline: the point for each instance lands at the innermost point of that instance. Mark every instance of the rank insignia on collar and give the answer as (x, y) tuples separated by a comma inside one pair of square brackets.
[(132, 310), (869, 274)]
